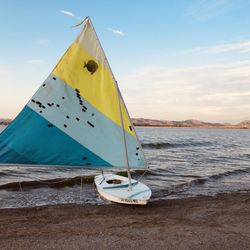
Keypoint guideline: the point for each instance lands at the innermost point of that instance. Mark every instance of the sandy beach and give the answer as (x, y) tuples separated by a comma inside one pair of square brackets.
[(221, 222)]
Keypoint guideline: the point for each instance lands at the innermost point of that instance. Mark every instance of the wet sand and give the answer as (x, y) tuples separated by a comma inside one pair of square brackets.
[(221, 222)]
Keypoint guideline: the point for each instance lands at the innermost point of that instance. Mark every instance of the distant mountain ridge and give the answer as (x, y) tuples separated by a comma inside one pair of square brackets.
[(5, 121), (188, 124), (191, 123)]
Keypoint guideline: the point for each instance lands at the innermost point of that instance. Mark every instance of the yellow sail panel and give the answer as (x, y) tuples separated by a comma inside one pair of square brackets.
[(126, 121), (97, 87)]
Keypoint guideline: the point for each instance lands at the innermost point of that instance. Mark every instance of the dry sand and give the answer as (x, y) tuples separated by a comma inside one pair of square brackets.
[(221, 222)]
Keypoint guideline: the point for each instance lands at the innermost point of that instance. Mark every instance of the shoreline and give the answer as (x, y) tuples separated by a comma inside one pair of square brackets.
[(178, 124), (199, 127), (202, 127), (219, 222)]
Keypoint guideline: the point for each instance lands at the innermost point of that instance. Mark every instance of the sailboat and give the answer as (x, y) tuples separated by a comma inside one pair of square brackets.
[(78, 118)]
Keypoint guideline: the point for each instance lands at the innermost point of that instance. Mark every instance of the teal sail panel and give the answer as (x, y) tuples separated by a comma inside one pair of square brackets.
[(31, 139)]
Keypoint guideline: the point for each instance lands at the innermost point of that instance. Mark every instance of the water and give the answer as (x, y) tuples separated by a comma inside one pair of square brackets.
[(183, 162)]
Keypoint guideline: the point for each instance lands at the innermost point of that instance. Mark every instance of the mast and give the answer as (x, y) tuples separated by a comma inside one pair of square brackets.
[(124, 137), (132, 125), (87, 19)]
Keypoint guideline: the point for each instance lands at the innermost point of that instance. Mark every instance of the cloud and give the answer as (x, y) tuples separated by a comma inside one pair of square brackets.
[(219, 93), (117, 32), (35, 61), (43, 42), (241, 47), (202, 10), (67, 13)]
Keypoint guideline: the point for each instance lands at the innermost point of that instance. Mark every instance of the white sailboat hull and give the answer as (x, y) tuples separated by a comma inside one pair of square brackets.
[(116, 188)]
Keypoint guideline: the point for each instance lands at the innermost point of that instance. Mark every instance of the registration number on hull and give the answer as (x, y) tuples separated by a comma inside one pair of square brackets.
[(129, 201)]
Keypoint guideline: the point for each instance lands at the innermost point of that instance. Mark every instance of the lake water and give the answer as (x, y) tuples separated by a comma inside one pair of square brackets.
[(183, 162)]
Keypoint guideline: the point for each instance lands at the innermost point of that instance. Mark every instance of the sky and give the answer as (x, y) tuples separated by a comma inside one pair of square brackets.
[(173, 60)]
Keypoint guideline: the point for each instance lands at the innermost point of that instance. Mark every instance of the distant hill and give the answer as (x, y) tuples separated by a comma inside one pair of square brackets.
[(244, 124), (5, 121), (187, 124), (141, 122)]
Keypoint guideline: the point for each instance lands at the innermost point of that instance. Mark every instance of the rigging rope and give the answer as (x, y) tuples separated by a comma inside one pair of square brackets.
[(19, 180), (140, 178)]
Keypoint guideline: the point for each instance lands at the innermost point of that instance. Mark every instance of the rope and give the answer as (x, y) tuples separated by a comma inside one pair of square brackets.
[(81, 189), (19, 180), (20, 186), (140, 178)]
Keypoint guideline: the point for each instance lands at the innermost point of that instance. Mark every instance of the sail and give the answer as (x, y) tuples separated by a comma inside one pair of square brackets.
[(74, 117)]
